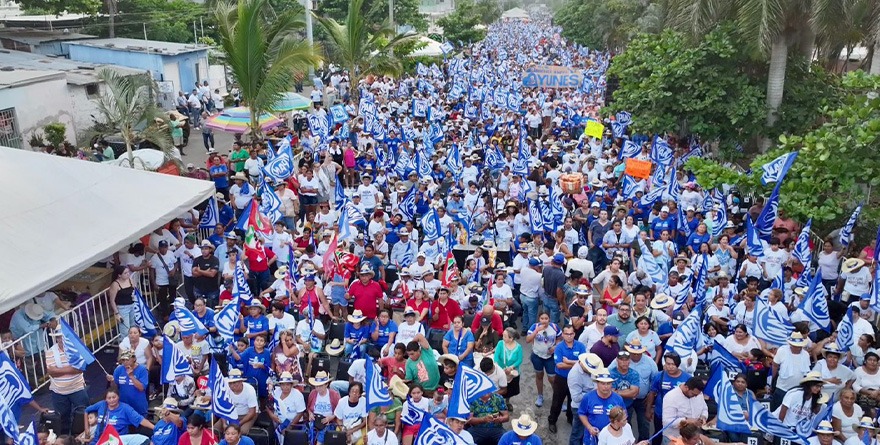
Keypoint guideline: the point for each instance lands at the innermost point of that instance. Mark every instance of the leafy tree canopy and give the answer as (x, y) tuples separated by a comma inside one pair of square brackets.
[(406, 12), (459, 26), (605, 23), (58, 7)]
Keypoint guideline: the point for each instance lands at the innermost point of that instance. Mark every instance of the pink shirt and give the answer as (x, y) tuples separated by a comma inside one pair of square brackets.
[(348, 158)]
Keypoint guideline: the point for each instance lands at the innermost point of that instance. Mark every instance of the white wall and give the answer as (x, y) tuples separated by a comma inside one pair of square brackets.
[(39, 104)]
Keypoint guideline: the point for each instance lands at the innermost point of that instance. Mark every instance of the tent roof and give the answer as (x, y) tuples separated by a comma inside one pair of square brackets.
[(431, 48), (62, 215), (515, 13)]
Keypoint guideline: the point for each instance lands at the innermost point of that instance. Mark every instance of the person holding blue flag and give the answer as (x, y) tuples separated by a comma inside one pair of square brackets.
[(66, 383), (257, 362)]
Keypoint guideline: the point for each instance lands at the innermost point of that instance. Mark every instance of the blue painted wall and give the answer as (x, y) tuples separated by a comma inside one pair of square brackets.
[(154, 63)]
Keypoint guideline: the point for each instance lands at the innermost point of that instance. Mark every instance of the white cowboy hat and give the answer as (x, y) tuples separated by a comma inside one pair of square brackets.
[(320, 378), (335, 348), (796, 339), (366, 270), (285, 377), (824, 427), (281, 273), (357, 316), (602, 375), (235, 375), (239, 177), (851, 264), (451, 357), (398, 387), (524, 426), (590, 362), (661, 301), (34, 311), (812, 376)]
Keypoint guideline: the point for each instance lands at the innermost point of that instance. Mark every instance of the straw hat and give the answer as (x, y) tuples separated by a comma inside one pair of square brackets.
[(170, 404), (851, 264), (451, 357), (202, 403), (366, 270), (867, 422), (603, 376), (524, 426), (832, 348), (281, 273), (285, 377), (582, 290), (239, 177), (635, 346), (398, 387), (335, 348), (661, 301), (590, 362), (824, 428), (797, 339), (235, 375), (357, 316), (682, 257), (813, 377), (320, 378)]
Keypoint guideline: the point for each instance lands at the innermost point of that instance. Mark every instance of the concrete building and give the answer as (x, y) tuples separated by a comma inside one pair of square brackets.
[(36, 90), (38, 41), (174, 66)]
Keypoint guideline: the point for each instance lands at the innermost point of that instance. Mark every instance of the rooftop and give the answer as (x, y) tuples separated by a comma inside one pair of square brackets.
[(37, 36), (17, 78), (142, 46), (78, 73)]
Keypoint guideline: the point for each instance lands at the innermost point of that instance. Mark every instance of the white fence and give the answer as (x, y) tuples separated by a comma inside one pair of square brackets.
[(92, 320)]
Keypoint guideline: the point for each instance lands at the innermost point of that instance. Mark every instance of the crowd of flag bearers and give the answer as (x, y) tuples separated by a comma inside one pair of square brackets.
[(497, 231)]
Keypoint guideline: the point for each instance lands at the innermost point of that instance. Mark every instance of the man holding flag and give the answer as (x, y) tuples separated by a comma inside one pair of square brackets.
[(66, 383)]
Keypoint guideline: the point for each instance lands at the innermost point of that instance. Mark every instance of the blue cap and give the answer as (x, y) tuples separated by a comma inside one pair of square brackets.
[(611, 330), (559, 258), (866, 296), (534, 262)]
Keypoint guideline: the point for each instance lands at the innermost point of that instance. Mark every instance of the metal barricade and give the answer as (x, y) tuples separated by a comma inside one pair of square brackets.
[(93, 322)]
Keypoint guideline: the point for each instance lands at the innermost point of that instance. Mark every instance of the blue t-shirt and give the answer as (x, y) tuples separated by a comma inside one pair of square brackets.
[(235, 363), (661, 385), (458, 345), (572, 353), (243, 441), (127, 391), (358, 334), (167, 433), (695, 240), (596, 409), (121, 418), (256, 325), (624, 382), (225, 216), (385, 332), (221, 182), (208, 319), (510, 438), (251, 356), (659, 225)]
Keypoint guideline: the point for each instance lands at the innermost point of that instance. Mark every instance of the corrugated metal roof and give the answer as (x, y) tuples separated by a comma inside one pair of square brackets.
[(78, 73)]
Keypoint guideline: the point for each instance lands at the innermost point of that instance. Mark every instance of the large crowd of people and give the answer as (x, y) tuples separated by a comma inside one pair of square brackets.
[(539, 260)]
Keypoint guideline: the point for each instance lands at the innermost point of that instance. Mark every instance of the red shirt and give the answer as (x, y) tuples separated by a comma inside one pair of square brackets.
[(366, 297), (261, 262), (445, 314), (390, 367), (497, 323), (419, 307)]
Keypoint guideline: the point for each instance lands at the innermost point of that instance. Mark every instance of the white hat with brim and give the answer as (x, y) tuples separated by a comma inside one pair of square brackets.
[(235, 375), (398, 387), (285, 377), (451, 357), (867, 422), (366, 270), (797, 340), (239, 177), (635, 347), (321, 378), (34, 311), (661, 301), (335, 348), (603, 376), (281, 273), (524, 426), (824, 427), (590, 362), (851, 264), (832, 348), (812, 377), (357, 316)]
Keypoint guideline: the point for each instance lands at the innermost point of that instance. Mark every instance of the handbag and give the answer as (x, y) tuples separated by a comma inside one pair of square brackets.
[(172, 279)]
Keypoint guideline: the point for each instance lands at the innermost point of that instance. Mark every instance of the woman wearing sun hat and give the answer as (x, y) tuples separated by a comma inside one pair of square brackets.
[(854, 281), (802, 401), (790, 363), (170, 426), (289, 403), (322, 404), (864, 429), (357, 333)]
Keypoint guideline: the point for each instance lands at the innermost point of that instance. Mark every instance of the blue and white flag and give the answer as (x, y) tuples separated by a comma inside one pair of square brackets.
[(769, 326), (847, 230), (339, 114), (281, 167), (556, 208), (446, 48), (339, 197), (754, 246), (421, 69), (468, 385), (402, 164), (454, 162), (14, 386), (768, 214), (845, 331), (775, 170), (412, 415), (535, 218), (423, 164), (762, 420), (7, 420), (618, 130), (434, 432), (226, 320), (419, 108), (270, 203), (731, 417), (319, 126), (354, 214), (221, 395), (661, 152), (78, 354), (408, 205), (687, 336), (210, 218), (658, 274), (624, 117), (815, 304), (143, 316), (630, 187), (673, 188), (807, 424), (240, 287), (630, 150), (431, 226), (174, 361), (375, 390), (801, 251), (189, 323), (345, 230), (719, 220), (683, 226), (724, 358), (494, 159), (29, 436)]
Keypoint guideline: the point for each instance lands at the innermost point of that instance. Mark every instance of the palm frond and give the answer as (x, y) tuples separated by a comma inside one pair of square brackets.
[(762, 22)]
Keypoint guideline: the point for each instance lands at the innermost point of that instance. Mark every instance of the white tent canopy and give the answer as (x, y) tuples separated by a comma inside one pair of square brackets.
[(515, 13), (431, 48), (62, 215)]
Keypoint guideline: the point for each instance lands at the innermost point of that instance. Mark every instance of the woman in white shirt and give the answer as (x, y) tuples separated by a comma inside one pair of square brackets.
[(829, 264), (380, 435), (867, 381), (618, 431), (845, 415), (740, 342), (802, 401), (351, 412), (290, 405), (140, 346)]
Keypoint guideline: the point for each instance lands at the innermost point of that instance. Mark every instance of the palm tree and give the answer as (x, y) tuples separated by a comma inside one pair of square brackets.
[(361, 49), (128, 105), (264, 51)]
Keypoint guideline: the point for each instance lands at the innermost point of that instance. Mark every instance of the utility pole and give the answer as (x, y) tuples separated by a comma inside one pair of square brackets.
[(391, 14), (111, 12), (309, 32), (195, 32), (145, 32)]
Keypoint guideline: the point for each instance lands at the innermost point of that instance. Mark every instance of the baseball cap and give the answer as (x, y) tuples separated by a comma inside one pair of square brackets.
[(677, 318), (611, 330), (664, 209), (534, 262), (485, 321), (559, 259), (163, 243), (594, 204)]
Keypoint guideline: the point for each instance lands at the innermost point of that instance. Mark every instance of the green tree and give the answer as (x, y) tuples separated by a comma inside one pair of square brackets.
[(264, 50), (361, 49), (128, 107), (58, 7), (605, 23), (671, 85), (406, 12), (166, 20), (837, 167), (461, 24), (489, 11)]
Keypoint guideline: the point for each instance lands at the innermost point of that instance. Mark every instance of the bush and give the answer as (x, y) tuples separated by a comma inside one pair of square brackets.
[(55, 133)]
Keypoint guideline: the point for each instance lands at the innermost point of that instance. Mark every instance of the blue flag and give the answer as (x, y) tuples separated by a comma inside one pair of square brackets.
[(211, 216), (376, 392), (226, 320), (630, 187), (174, 361), (762, 420), (775, 170), (240, 287), (661, 152), (339, 196), (408, 205), (846, 231), (270, 203), (815, 304), (143, 316), (731, 417), (722, 357), (494, 159), (754, 246), (78, 354), (683, 227), (434, 432), (423, 164), (28, 437), (768, 214), (719, 220), (454, 162), (845, 331), (345, 232), (769, 326), (189, 324), (687, 336), (281, 167), (221, 395), (801, 251), (468, 385), (14, 386), (431, 225), (535, 218), (658, 274), (630, 150), (7, 420)]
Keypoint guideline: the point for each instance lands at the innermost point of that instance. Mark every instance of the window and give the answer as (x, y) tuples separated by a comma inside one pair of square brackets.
[(10, 135), (92, 91)]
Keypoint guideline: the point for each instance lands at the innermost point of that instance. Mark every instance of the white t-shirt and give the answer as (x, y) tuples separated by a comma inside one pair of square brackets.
[(626, 436), (828, 264), (350, 415), (388, 439), (407, 332), (291, 406), (186, 261), (140, 351), (244, 401), (368, 195), (842, 372), (286, 322), (743, 316), (797, 409), (161, 275), (773, 261), (304, 334), (792, 367), (323, 407), (281, 245), (591, 335), (502, 293), (847, 422), (857, 283), (735, 348)]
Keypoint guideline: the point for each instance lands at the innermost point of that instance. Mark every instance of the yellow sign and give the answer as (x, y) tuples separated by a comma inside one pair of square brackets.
[(594, 129)]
